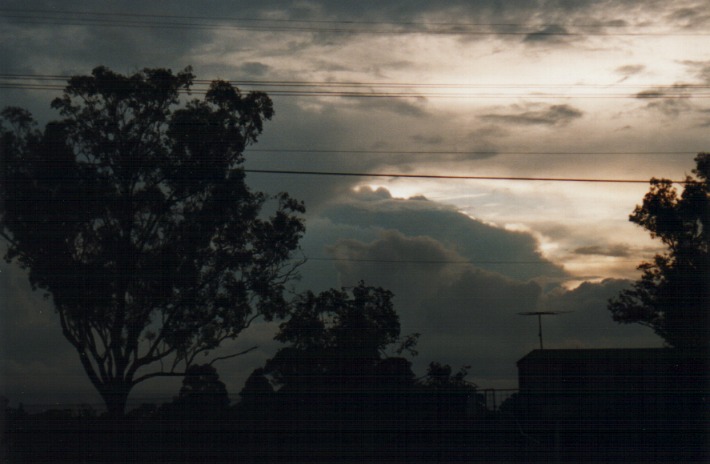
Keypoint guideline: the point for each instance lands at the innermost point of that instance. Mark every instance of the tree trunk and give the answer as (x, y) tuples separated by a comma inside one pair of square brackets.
[(115, 395)]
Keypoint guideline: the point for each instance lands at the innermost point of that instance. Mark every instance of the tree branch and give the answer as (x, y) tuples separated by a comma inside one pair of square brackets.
[(222, 358), (156, 374)]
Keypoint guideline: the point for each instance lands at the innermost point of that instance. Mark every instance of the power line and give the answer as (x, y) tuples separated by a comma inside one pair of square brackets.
[(415, 95), (459, 177), (379, 84), (306, 21), (465, 152), (444, 261), (408, 89), (87, 18)]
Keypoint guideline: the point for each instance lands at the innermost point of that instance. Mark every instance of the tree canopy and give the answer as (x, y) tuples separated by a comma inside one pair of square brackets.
[(337, 336), (673, 294), (133, 213)]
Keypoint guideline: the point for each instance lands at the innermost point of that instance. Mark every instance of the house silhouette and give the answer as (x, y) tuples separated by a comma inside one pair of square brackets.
[(643, 384)]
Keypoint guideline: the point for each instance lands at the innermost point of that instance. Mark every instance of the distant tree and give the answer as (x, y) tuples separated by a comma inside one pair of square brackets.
[(673, 295), (395, 372), (336, 342), (133, 213), (451, 393), (202, 392), (257, 388), (440, 375)]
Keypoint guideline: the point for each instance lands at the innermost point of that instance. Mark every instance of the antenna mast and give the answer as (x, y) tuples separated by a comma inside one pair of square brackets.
[(539, 315)]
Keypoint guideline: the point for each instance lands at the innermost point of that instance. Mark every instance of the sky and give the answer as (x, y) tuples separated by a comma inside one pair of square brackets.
[(576, 89)]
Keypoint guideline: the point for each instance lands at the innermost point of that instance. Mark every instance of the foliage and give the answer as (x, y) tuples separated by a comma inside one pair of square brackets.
[(439, 376), (132, 212), (202, 395), (257, 388), (338, 334), (672, 296)]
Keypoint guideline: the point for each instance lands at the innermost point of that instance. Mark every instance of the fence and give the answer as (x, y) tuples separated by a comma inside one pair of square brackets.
[(492, 398)]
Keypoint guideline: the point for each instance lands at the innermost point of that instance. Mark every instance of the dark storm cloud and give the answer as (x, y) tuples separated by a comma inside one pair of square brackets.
[(589, 323), (616, 251), (551, 115), (84, 45), (125, 40), (458, 308), (486, 246), (469, 316)]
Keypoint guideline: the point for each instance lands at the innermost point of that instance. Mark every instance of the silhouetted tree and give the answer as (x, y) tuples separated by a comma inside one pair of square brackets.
[(257, 388), (336, 336), (450, 392), (336, 380), (672, 296), (202, 393), (132, 212)]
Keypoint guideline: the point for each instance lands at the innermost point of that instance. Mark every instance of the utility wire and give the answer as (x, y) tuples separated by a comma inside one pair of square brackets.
[(292, 20), (285, 83), (443, 95), (408, 89), (472, 153), (443, 261), (86, 18), (435, 176)]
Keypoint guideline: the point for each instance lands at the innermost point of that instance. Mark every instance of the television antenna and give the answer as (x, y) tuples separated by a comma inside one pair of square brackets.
[(539, 315)]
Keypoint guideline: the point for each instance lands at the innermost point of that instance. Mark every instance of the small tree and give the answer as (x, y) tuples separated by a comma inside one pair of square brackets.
[(448, 396), (202, 393), (336, 366), (132, 212), (336, 336), (673, 295)]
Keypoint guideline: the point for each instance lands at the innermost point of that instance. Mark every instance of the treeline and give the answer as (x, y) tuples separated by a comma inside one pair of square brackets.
[(342, 389), (389, 417), (361, 420)]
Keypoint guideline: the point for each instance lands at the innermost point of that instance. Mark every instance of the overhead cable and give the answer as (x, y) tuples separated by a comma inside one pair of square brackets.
[(455, 177), (135, 20)]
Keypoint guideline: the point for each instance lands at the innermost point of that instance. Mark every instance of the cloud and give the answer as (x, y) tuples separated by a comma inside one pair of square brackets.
[(514, 254), (616, 251), (550, 115), (409, 107), (670, 101), (553, 34), (253, 68), (589, 324), (476, 275), (457, 307), (469, 316), (700, 69), (629, 70), (427, 139), (705, 115), (690, 17)]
